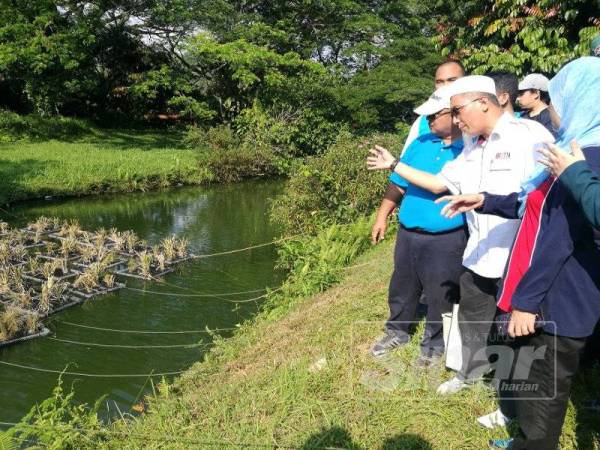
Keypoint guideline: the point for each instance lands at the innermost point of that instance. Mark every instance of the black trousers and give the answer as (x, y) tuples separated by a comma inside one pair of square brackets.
[(542, 407), (475, 316), (429, 264)]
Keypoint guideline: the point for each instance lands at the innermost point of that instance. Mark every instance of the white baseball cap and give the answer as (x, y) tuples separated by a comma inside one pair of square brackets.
[(435, 103), (472, 83), (534, 81)]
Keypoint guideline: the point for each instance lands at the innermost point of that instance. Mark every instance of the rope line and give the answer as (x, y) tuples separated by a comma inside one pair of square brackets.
[(94, 344), (147, 331), (247, 300), (245, 248), (197, 295), (92, 375)]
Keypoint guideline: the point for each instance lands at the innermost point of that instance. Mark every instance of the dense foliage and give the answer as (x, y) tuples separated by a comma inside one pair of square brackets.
[(208, 62), (363, 63), (333, 188), (521, 36)]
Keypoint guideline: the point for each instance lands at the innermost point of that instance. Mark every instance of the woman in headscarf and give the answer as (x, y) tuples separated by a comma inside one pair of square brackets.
[(554, 269)]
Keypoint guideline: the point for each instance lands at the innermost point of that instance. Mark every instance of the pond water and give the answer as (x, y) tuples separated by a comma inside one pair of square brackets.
[(116, 341)]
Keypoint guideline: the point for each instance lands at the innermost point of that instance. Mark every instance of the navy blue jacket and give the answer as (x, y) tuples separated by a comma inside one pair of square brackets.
[(563, 278)]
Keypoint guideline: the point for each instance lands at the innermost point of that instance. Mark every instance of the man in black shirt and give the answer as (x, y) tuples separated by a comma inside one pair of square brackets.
[(534, 99)]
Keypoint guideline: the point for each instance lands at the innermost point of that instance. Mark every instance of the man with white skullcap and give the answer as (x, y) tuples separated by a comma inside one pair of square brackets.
[(498, 155)]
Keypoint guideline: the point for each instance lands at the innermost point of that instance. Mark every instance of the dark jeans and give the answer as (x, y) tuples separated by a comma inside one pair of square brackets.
[(541, 412), (475, 319), (429, 264)]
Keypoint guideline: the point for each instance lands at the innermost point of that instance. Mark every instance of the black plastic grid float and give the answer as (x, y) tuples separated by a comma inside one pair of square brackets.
[(85, 239), (38, 232), (74, 302), (80, 265), (79, 236), (33, 240), (34, 245), (18, 264), (43, 332), (72, 257), (127, 254), (67, 302), (180, 260), (39, 278), (87, 294), (153, 274)]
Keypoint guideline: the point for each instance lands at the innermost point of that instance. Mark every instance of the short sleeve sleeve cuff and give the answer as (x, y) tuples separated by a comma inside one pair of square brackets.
[(454, 189), (398, 180)]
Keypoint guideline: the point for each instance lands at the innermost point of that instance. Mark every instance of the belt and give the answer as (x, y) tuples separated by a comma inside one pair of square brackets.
[(419, 230)]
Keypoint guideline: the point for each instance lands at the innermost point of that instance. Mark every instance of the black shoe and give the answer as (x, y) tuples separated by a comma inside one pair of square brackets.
[(390, 340)]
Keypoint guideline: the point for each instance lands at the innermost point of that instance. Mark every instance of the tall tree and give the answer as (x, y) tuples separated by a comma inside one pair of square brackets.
[(518, 35)]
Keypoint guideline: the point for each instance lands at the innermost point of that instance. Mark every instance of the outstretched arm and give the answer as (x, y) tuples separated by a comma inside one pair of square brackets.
[(380, 159)]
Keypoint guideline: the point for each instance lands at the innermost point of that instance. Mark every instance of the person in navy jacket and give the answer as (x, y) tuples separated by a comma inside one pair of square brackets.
[(553, 272)]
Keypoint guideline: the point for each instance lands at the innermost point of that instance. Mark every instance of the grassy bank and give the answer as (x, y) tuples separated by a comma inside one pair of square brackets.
[(96, 161), (300, 376)]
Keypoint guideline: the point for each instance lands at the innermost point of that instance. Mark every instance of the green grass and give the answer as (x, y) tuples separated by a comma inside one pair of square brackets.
[(96, 161), (300, 376)]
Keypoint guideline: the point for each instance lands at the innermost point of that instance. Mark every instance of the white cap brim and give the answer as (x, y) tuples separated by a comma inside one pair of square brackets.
[(430, 107), (435, 103)]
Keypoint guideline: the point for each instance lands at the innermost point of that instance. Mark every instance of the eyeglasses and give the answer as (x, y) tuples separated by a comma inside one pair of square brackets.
[(432, 117), (455, 110)]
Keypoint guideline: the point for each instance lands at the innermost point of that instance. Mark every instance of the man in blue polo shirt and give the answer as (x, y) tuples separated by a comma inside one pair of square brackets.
[(429, 247)]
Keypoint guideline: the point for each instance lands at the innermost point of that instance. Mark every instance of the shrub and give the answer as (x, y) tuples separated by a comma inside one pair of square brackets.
[(316, 262), (291, 133), (235, 164), (14, 127), (217, 138), (333, 188), (59, 423)]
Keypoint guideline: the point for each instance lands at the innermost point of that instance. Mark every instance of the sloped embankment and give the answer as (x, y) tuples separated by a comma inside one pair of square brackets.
[(301, 377)]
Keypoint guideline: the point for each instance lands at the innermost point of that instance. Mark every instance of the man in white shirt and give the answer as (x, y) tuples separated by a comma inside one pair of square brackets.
[(496, 159)]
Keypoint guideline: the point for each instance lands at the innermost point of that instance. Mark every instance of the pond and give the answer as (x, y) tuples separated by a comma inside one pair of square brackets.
[(116, 342)]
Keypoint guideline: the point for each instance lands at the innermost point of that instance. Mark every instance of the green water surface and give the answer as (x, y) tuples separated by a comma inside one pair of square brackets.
[(214, 292)]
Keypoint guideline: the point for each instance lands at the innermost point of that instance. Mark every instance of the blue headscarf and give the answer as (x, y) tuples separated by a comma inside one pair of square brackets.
[(575, 95)]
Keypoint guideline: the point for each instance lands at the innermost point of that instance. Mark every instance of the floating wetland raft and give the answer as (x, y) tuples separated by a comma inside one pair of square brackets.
[(51, 265)]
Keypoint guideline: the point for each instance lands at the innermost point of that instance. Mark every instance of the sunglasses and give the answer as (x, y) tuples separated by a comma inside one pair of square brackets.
[(455, 110), (432, 117)]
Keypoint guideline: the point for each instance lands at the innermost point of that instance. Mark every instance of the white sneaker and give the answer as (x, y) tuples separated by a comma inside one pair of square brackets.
[(493, 420), (452, 386)]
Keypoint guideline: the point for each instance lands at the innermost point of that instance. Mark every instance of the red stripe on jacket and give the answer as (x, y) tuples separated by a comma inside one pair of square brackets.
[(523, 248)]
